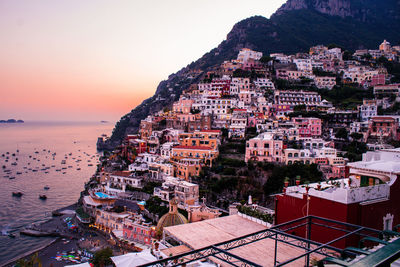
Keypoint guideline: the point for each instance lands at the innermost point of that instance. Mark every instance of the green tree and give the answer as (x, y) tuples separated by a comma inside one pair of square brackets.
[(299, 108), (103, 257), (356, 136), (341, 133), (33, 261), (333, 45), (347, 55), (265, 59)]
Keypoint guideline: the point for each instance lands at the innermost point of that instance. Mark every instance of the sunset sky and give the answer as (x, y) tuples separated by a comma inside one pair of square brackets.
[(97, 60)]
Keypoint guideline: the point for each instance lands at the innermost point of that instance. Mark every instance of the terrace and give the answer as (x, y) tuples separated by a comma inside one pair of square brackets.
[(278, 246), (341, 191)]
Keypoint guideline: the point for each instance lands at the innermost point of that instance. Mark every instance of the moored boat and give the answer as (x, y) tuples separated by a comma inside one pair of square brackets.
[(17, 194)]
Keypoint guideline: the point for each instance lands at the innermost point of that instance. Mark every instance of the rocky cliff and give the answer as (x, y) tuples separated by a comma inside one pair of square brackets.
[(363, 10), (296, 26)]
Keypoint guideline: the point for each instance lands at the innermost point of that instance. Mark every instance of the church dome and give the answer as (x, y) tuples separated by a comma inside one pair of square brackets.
[(173, 217)]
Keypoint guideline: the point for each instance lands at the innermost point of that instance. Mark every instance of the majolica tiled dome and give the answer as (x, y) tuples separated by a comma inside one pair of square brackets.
[(173, 217)]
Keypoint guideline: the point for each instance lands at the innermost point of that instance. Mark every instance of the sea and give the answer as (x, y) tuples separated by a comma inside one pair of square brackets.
[(33, 155)]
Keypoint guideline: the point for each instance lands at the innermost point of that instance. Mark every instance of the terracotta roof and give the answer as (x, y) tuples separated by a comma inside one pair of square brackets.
[(383, 118), (121, 173), (209, 232), (194, 147), (175, 250)]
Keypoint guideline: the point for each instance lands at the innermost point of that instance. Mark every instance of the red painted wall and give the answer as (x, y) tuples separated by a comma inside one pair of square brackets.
[(288, 208)]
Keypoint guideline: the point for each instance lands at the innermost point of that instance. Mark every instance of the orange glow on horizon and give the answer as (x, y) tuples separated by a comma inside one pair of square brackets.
[(95, 60)]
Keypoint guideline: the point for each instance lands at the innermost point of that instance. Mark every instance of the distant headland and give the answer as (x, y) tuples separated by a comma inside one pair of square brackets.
[(11, 121)]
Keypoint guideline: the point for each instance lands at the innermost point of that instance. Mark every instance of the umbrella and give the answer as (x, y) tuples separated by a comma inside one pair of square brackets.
[(133, 259)]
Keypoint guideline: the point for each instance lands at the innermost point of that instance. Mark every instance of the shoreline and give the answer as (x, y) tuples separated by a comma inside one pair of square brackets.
[(51, 242), (29, 253)]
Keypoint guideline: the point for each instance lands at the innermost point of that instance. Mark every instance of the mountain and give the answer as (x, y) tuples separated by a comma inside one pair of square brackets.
[(362, 10), (294, 27)]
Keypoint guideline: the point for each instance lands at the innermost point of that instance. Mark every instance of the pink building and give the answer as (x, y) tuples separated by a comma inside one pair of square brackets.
[(308, 127), (138, 231), (182, 106), (264, 147), (378, 79), (383, 127), (186, 117)]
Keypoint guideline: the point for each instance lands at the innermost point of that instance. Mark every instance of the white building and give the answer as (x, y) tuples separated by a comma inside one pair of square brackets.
[(166, 150), (264, 83), (245, 54), (239, 84), (294, 98), (304, 65), (325, 82), (368, 110), (186, 193), (120, 179)]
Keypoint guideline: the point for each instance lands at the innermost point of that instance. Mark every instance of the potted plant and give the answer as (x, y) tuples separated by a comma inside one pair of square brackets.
[(286, 181), (297, 179), (319, 186)]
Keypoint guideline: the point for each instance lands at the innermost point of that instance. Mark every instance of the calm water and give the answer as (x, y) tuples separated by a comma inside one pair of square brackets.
[(42, 148)]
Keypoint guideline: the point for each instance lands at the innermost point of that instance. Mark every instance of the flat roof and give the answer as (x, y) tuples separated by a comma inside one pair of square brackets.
[(209, 232)]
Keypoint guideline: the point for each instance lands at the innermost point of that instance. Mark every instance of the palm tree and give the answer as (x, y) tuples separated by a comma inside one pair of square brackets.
[(34, 261)]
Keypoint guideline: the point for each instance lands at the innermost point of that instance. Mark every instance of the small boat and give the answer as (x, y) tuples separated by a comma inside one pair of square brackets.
[(42, 197), (17, 194), (11, 235), (46, 187)]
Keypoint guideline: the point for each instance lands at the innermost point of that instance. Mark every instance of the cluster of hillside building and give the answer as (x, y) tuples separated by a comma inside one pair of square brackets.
[(173, 145)]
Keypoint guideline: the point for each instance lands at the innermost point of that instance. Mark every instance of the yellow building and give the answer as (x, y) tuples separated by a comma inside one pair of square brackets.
[(200, 138)]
